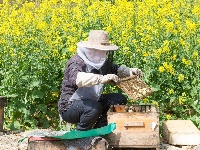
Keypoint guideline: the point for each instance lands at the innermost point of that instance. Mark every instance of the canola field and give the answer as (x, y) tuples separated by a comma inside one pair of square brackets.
[(161, 37)]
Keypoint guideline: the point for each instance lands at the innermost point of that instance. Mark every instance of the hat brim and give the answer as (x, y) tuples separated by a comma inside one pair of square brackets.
[(110, 47)]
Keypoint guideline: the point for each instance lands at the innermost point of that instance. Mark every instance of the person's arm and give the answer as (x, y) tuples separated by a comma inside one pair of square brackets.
[(76, 75), (90, 79), (123, 71)]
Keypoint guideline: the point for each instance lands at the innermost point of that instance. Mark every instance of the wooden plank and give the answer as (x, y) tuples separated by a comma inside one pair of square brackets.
[(134, 124)]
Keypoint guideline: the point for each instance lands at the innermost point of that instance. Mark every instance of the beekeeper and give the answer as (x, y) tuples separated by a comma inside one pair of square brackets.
[(81, 101)]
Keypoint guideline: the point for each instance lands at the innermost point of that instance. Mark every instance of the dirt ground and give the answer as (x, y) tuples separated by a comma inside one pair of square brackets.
[(9, 141)]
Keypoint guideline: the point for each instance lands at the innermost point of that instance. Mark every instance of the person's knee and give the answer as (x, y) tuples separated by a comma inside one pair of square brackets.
[(90, 116), (97, 109), (123, 99), (94, 106)]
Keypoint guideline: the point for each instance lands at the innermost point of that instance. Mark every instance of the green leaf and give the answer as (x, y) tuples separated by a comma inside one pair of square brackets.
[(35, 84), (37, 94), (26, 111), (196, 108), (45, 122), (32, 110), (155, 88), (196, 102), (25, 77), (195, 90), (30, 122), (64, 50), (54, 89), (15, 125), (42, 107), (11, 95), (172, 99)]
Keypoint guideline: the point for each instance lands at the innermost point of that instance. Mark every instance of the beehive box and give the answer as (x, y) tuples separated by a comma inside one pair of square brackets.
[(136, 127), (37, 143), (46, 143)]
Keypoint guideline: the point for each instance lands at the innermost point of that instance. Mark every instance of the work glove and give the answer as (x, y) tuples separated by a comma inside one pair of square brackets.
[(136, 71), (90, 79), (109, 78), (123, 71)]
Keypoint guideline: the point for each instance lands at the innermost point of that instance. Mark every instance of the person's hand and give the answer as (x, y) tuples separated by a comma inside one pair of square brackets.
[(136, 71), (109, 77)]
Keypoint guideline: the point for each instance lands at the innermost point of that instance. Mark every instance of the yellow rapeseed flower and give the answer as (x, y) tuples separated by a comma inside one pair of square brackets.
[(190, 25), (174, 57), (55, 53), (166, 49), (181, 100), (186, 62), (55, 94), (184, 94), (180, 77), (171, 91), (145, 54), (146, 100), (169, 26), (168, 116), (195, 55), (183, 43), (161, 69), (155, 103), (169, 68)]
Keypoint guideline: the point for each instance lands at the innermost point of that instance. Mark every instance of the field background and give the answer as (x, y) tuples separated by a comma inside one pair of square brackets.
[(161, 37)]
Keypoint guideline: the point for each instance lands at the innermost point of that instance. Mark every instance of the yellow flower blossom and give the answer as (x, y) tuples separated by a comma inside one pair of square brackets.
[(186, 62), (184, 94), (155, 103), (180, 77), (161, 69), (181, 100), (55, 53), (169, 26), (169, 68), (190, 25), (174, 57), (145, 54), (195, 55), (168, 116), (171, 91), (146, 100), (166, 49), (183, 43), (55, 94)]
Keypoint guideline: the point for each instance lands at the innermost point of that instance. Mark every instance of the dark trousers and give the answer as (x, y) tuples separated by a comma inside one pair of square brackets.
[(88, 114)]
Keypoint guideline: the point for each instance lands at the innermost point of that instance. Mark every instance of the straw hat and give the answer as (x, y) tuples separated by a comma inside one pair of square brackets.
[(98, 39)]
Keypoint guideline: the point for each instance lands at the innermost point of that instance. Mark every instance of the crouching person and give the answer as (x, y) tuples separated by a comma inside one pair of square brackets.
[(81, 101)]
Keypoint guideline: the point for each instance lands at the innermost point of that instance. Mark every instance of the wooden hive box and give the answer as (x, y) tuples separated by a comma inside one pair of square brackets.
[(136, 127), (37, 143), (43, 143)]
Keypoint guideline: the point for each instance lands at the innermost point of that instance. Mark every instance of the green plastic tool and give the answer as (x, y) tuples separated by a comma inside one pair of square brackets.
[(74, 134)]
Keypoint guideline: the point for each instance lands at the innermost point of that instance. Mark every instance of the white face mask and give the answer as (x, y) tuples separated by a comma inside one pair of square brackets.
[(95, 56)]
